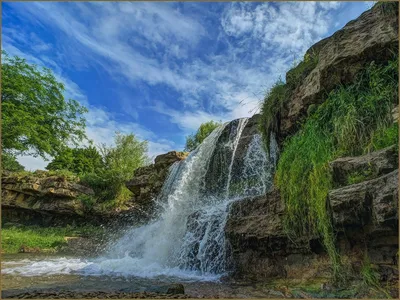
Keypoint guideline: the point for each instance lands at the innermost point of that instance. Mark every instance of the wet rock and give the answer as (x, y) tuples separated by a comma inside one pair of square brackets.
[(147, 181), (176, 289)]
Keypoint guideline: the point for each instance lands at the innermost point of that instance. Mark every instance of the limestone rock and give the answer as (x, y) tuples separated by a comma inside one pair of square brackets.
[(52, 194), (147, 181), (373, 164), (371, 37), (373, 201)]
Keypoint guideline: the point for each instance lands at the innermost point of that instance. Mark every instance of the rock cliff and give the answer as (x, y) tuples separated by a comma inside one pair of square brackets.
[(371, 37)]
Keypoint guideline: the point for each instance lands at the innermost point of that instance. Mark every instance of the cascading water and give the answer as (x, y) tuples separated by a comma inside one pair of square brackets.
[(187, 237)]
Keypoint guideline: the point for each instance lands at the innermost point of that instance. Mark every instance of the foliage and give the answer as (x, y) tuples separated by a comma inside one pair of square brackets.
[(36, 118), (382, 137), (127, 155), (120, 161), (369, 275), (343, 125), (193, 140), (77, 160), (49, 238), (9, 162), (271, 108)]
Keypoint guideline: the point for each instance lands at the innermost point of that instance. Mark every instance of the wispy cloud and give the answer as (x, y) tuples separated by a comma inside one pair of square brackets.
[(187, 63)]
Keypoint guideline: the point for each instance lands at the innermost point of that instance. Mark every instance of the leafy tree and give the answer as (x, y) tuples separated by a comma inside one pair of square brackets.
[(193, 140), (36, 118), (120, 161), (77, 160), (127, 155), (10, 163)]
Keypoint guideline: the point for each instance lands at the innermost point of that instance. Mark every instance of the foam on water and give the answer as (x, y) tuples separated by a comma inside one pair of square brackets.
[(186, 239)]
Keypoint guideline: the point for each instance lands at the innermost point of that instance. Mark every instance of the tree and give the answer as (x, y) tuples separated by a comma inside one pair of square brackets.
[(77, 160), (9, 162), (193, 140), (126, 156), (36, 118), (120, 161)]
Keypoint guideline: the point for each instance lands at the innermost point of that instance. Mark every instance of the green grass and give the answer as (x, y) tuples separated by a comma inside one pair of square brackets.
[(350, 120), (46, 239), (296, 75), (271, 108), (360, 176)]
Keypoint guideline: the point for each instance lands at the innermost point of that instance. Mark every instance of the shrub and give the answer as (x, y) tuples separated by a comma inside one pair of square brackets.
[(205, 129)]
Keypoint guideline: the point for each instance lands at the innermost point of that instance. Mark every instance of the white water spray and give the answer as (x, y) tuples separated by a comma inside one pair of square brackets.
[(187, 238)]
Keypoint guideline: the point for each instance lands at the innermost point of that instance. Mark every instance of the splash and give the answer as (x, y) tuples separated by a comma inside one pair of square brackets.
[(187, 237)]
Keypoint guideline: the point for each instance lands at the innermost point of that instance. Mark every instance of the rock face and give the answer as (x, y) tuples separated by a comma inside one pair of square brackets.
[(32, 197), (147, 181), (370, 165), (371, 37), (261, 248)]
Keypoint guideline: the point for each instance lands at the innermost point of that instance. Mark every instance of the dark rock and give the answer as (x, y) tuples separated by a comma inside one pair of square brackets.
[(374, 201), (373, 165), (147, 181), (176, 289)]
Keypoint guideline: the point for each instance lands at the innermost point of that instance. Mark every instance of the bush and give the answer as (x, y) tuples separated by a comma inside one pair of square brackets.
[(120, 162), (345, 124), (205, 129), (77, 160)]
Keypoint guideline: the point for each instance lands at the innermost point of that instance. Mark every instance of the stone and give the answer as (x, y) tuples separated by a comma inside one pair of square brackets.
[(177, 288), (373, 165), (371, 37), (147, 181), (373, 201)]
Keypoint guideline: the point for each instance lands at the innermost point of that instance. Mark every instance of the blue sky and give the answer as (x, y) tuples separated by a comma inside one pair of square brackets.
[(159, 70)]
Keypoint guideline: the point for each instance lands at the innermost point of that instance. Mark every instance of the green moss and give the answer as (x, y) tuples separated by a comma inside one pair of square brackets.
[(360, 176), (343, 125), (46, 239)]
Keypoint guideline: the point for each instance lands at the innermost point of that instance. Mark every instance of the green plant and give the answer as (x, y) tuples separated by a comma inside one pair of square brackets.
[(360, 176), (77, 160), (9, 162), (205, 129), (343, 125), (36, 118), (300, 71), (44, 238), (271, 109), (369, 275)]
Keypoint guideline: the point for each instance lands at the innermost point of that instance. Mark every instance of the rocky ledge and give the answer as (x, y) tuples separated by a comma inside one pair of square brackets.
[(371, 37), (365, 219)]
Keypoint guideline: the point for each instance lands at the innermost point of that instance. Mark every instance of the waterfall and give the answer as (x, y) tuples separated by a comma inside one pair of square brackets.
[(189, 232), (186, 238)]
